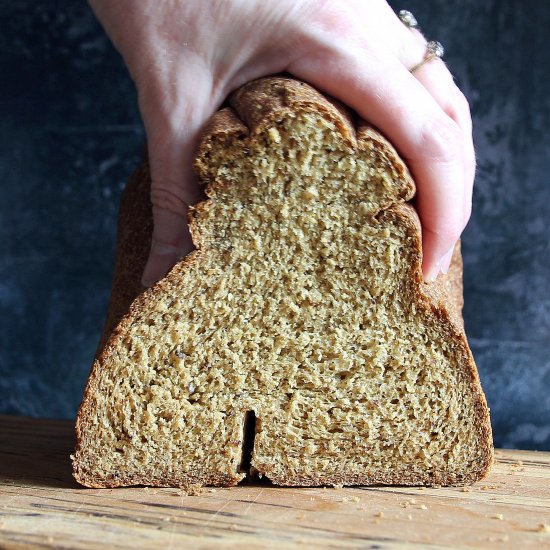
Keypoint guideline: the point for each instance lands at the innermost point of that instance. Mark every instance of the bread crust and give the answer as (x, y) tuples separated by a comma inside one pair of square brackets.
[(252, 108)]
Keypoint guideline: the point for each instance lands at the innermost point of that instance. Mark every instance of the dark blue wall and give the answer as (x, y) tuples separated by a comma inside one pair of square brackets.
[(70, 134)]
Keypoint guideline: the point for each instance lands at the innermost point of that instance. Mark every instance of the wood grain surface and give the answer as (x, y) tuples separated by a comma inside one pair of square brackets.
[(41, 506)]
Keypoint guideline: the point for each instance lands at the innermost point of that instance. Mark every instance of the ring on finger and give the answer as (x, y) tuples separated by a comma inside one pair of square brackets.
[(434, 49), (408, 19)]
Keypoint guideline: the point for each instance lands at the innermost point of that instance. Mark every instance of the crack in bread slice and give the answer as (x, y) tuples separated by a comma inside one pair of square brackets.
[(303, 311)]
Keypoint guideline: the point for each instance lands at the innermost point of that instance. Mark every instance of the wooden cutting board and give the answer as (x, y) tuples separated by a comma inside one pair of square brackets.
[(41, 505)]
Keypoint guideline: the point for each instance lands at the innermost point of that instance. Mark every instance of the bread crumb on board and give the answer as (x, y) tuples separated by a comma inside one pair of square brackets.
[(194, 490), (407, 503), (502, 538), (543, 528), (351, 499)]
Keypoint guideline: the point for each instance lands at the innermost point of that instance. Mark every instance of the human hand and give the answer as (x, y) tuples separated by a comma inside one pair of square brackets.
[(185, 57)]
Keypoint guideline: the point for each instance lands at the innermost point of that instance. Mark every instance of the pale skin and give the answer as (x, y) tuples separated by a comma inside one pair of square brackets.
[(186, 56)]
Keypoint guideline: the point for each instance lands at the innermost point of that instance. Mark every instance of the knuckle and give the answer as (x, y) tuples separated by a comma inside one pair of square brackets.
[(163, 248), (461, 110), (462, 104), (441, 140), (166, 195)]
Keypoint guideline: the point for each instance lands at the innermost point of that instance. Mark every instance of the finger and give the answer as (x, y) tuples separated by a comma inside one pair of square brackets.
[(171, 241), (410, 48), (459, 110), (384, 93), (438, 81), (173, 120), (173, 189), (436, 78)]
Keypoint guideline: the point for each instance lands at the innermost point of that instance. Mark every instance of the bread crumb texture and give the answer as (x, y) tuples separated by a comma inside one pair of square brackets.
[(304, 303)]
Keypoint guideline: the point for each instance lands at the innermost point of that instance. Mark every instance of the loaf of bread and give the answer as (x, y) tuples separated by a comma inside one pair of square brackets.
[(298, 341)]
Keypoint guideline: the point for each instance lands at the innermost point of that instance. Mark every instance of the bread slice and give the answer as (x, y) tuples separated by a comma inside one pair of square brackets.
[(299, 340)]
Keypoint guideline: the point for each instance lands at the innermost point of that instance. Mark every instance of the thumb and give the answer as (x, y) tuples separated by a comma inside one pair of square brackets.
[(173, 123)]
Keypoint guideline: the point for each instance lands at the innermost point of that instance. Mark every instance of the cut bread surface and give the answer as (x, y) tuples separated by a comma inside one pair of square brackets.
[(302, 313)]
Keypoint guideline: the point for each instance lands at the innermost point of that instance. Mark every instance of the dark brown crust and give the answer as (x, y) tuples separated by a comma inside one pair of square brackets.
[(257, 104), (135, 227)]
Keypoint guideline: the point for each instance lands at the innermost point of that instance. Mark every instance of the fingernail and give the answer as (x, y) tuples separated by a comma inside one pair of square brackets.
[(156, 269), (162, 259), (441, 266), (147, 282), (431, 275), (445, 261), (158, 266)]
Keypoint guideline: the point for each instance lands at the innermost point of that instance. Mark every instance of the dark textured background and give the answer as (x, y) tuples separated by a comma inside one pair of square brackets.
[(70, 134)]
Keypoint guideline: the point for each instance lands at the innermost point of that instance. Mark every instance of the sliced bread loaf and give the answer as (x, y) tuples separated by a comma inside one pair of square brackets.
[(299, 340)]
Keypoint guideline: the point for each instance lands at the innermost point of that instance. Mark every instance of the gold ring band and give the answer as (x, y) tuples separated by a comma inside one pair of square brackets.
[(434, 50)]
